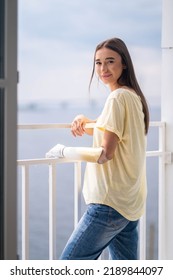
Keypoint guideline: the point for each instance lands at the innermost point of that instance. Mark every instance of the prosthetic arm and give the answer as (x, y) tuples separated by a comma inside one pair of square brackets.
[(76, 153)]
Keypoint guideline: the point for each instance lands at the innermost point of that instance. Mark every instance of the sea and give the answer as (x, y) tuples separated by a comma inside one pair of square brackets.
[(35, 143)]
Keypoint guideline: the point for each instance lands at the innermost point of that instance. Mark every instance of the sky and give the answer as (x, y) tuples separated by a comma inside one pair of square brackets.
[(57, 40)]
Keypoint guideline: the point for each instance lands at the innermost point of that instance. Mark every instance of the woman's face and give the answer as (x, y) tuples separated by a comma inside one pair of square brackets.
[(109, 67)]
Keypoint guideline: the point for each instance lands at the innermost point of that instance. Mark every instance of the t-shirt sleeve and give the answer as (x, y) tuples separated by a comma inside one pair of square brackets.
[(112, 117)]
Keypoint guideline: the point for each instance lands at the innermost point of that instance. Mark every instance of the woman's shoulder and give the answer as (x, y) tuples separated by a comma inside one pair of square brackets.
[(123, 94)]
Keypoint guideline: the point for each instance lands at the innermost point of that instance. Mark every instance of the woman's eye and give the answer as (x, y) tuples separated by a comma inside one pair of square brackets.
[(111, 61), (98, 62)]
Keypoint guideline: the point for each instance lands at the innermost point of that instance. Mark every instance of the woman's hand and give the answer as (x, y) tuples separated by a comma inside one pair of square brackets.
[(78, 126), (56, 152)]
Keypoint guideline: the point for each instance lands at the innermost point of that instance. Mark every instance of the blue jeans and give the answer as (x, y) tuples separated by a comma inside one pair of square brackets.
[(101, 226)]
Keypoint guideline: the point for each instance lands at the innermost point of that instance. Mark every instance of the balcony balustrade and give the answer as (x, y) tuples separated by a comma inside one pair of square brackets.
[(52, 164)]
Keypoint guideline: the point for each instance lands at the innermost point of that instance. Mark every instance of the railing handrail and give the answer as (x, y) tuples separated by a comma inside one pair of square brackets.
[(68, 125), (47, 161), (49, 125)]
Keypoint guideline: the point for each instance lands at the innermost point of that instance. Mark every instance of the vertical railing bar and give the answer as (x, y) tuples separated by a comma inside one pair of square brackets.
[(142, 237), (77, 192), (52, 211), (25, 212), (161, 198)]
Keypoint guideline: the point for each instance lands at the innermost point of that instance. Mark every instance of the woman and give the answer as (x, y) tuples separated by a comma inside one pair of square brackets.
[(115, 178)]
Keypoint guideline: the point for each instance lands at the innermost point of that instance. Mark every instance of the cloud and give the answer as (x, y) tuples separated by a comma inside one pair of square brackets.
[(57, 39), (92, 20)]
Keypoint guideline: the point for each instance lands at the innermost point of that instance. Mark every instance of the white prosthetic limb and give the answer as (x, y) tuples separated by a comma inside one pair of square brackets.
[(75, 153)]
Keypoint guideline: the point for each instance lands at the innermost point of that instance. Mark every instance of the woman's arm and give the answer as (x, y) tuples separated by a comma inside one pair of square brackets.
[(78, 126), (109, 143), (75, 153), (97, 155)]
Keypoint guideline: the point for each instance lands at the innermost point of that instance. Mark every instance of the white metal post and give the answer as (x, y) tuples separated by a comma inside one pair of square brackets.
[(142, 237), (77, 192), (166, 249), (25, 212), (52, 211)]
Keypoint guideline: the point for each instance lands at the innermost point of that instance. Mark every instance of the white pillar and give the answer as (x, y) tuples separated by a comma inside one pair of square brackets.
[(167, 116)]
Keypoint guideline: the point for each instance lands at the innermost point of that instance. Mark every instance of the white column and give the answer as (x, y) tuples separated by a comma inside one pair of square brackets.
[(167, 116)]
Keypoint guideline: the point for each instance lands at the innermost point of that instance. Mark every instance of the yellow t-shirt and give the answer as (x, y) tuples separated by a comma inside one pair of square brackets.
[(121, 182)]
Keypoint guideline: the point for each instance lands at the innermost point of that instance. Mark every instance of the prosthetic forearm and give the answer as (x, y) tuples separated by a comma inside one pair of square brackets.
[(75, 153)]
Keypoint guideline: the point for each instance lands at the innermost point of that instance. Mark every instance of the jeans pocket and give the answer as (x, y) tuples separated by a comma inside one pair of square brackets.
[(99, 212), (92, 210)]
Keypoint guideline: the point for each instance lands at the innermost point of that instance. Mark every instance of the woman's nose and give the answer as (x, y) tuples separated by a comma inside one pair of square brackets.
[(104, 67)]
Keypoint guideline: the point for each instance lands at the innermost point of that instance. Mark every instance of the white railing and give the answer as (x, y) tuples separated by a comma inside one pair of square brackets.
[(52, 163)]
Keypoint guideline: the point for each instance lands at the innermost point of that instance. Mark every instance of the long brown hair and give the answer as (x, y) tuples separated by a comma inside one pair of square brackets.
[(128, 77)]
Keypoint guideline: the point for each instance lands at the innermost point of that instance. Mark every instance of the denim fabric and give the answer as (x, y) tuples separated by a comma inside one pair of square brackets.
[(101, 226)]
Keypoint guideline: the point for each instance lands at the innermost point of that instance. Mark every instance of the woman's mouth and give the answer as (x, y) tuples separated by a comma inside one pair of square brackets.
[(105, 76)]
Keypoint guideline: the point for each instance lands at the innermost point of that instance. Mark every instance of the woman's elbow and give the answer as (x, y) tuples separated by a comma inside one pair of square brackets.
[(105, 156)]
